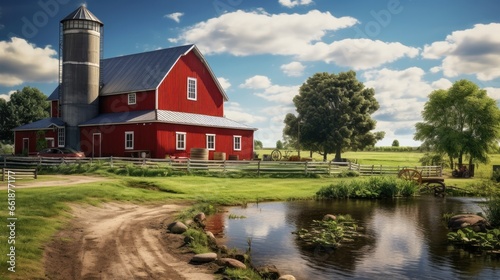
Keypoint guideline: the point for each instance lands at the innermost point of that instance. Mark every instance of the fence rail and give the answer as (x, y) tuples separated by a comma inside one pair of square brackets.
[(250, 166), (19, 173)]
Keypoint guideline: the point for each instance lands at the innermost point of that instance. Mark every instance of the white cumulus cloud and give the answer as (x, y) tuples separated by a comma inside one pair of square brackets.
[(301, 36), (293, 3), (225, 84), (493, 92), (22, 62), (6, 96), (256, 82), (234, 111), (258, 32), (175, 16), (293, 69), (400, 93), (474, 51)]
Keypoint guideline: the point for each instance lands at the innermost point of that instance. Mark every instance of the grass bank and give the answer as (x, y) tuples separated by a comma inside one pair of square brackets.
[(40, 212)]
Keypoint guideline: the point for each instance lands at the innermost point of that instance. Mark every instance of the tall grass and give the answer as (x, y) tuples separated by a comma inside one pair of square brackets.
[(492, 210), (374, 187)]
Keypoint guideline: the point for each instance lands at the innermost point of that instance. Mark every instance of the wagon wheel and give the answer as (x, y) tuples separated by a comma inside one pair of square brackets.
[(276, 155), (410, 175), (439, 188)]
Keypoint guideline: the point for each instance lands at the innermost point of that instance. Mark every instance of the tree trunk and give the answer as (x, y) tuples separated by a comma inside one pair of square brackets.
[(451, 162), (338, 155)]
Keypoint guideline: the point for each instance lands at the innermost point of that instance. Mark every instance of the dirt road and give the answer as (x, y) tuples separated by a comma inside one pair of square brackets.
[(121, 241)]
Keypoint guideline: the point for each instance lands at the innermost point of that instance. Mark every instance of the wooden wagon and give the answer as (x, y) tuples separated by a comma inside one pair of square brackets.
[(432, 183)]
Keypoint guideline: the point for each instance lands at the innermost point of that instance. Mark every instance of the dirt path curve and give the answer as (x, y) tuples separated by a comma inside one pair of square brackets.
[(58, 181), (120, 241)]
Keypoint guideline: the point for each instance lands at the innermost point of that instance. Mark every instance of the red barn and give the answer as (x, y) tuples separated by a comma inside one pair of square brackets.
[(163, 103)]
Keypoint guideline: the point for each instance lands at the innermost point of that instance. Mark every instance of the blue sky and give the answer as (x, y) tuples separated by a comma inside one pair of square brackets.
[(262, 51)]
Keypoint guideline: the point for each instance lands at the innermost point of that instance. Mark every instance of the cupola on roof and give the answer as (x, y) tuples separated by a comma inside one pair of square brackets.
[(82, 13)]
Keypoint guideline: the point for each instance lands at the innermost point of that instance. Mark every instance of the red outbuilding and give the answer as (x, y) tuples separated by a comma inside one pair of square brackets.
[(162, 103)]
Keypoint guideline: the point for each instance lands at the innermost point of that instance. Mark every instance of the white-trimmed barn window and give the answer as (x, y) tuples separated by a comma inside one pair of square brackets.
[(61, 137), (192, 91), (129, 140), (237, 143), (132, 98), (180, 140), (211, 142)]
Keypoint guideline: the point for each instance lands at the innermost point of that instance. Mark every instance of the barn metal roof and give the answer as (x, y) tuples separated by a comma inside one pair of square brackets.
[(164, 116), (138, 72), (54, 95), (82, 13), (142, 71), (41, 124)]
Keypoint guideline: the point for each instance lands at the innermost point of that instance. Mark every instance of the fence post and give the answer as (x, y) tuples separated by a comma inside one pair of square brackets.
[(258, 168), (111, 161), (329, 168), (188, 165), (36, 173), (305, 168), (5, 161)]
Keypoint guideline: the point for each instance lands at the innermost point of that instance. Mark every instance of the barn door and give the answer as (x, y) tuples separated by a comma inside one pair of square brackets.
[(96, 145), (26, 146)]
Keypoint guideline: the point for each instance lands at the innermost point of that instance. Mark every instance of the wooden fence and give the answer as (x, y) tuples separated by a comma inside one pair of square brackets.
[(19, 173), (251, 166)]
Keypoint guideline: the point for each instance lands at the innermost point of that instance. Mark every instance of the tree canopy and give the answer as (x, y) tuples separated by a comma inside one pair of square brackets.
[(25, 106), (334, 113), (460, 121)]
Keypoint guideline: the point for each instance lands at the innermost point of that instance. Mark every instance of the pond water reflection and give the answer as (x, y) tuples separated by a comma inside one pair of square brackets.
[(401, 239)]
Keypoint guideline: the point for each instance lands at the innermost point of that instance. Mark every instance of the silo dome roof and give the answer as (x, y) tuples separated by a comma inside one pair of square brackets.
[(82, 13)]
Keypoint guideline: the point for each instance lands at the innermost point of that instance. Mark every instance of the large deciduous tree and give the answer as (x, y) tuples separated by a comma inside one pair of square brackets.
[(334, 113), (25, 106), (460, 121)]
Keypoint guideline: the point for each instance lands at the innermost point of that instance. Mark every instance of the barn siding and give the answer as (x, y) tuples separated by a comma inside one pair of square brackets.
[(172, 92), (31, 134), (196, 138), (159, 139), (113, 138), (119, 103), (54, 109)]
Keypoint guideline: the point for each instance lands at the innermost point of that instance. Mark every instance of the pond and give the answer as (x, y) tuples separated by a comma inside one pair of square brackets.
[(401, 239)]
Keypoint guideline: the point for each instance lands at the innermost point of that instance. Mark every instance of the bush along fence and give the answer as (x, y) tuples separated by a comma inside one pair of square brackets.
[(250, 166)]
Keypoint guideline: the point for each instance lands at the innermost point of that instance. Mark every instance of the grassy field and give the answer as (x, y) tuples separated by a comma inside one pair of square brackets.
[(482, 171), (40, 212)]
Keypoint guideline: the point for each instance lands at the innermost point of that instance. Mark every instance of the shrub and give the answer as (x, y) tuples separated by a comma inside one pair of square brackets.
[(492, 210), (374, 187)]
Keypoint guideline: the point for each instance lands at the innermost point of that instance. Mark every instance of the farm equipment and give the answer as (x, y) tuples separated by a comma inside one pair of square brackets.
[(435, 184)]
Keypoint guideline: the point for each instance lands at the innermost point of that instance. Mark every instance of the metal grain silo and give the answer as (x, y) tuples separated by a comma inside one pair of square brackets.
[(80, 77)]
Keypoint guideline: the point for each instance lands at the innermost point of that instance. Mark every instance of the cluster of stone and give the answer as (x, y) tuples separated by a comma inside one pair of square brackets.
[(238, 260)]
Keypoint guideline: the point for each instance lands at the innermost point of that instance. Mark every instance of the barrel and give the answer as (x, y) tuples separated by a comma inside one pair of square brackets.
[(234, 157), (199, 154), (219, 156)]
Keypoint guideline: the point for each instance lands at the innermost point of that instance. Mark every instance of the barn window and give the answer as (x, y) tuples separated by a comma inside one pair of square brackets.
[(61, 137), (237, 143), (192, 90), (180, 140), (50, 142), (131, 98), (211, 142), (129, 140)]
